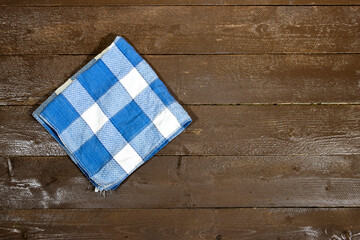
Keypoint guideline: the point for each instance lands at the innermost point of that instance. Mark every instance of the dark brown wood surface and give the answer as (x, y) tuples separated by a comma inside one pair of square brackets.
[(203, 79), (176, 2), (220, 130), (187, 182), (182, 29), (289, 223), (273, 88)]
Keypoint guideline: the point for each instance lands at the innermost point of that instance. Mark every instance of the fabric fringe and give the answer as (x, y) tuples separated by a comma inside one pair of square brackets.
[(103, 191)]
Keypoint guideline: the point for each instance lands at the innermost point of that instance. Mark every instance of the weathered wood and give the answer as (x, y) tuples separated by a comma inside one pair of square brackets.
[(189, 181), (203, 79), (286, 156), (181, 29), (175, 2), (288, 223), (219, 130)]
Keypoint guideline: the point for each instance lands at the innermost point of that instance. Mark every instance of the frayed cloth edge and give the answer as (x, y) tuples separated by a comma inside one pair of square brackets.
[(102, 191)]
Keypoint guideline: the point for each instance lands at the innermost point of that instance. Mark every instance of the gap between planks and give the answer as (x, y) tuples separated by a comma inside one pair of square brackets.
[(225, 104), (180, 5), (187, 182), (189, 54)]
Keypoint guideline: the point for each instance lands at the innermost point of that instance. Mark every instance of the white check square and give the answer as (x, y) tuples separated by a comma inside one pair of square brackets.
[(134, 83), (128, 158), (166, 123), (94, 117)]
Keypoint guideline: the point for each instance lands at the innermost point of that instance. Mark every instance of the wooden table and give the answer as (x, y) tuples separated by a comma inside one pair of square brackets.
[(274, 91)]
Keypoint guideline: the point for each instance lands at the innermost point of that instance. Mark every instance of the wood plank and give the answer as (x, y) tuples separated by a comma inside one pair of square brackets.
[(175, 2), (288, 223), (219, 130), (214, 79), (188, 181), (181, 29)]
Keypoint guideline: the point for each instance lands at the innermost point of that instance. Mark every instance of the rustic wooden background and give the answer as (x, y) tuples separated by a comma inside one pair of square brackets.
[(274, 91)]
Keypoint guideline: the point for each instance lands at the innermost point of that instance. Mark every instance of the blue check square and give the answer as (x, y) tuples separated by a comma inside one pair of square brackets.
[(113, 115), (146, 71), (116, 61), (150, 103), (119, 98), (69, 135), (161, 91), (145, 141), (111, 138), (60, 113), (78, 97), (93, 155), (130, 120), (98, 79)]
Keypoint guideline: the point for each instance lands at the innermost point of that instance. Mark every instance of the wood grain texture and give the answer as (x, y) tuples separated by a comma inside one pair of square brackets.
[(219, 130), (187, 182), (203, 79), (288, 223), (181, 29), (175, 2), (244, 169)]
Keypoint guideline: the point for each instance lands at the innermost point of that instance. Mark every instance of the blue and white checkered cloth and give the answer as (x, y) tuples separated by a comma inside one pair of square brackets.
[(113, 115)]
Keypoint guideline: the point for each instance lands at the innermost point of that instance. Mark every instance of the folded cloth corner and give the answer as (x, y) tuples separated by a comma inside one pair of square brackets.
[(112, 115)]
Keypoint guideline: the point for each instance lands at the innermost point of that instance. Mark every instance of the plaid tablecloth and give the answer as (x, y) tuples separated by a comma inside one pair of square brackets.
[(113, 115)]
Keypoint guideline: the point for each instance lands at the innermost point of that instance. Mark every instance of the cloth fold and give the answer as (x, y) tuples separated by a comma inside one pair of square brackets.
[(113, 115)]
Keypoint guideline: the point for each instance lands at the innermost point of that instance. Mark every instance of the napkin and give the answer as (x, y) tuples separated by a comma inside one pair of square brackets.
[(113, 115)]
